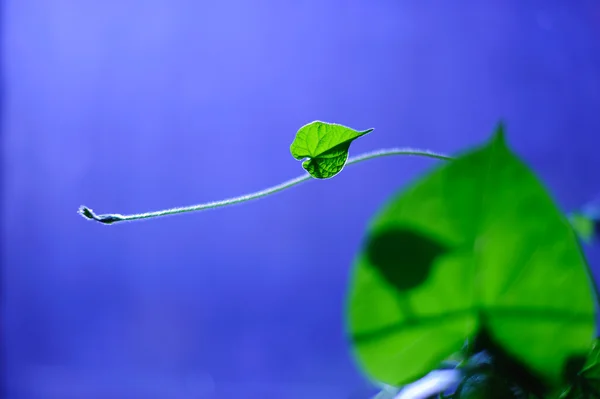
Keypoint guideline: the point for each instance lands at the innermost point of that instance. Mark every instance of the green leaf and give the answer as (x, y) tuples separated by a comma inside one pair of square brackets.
[(587, 382), (583, 226), (590, 375), (476, 244), (324, 146)]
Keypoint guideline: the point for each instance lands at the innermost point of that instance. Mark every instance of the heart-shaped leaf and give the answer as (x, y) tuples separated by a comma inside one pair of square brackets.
[(476, 245), (324, 146)]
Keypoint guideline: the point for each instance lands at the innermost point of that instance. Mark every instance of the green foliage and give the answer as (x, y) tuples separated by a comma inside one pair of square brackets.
[(476, 245), (326, 147), (586, 383), (583, 226), (485, 386)]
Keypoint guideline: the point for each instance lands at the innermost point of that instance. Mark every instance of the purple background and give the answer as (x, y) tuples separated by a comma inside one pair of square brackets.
[(137, 105)]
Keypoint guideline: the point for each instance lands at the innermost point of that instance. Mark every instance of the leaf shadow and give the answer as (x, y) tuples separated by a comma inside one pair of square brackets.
[(403, 256)]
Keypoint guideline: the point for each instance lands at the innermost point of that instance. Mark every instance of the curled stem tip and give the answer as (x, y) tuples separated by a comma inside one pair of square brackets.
[(115, 217), (104, 219)]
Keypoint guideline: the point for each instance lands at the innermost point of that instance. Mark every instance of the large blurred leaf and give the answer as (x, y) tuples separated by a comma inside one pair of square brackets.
[(476, 244)]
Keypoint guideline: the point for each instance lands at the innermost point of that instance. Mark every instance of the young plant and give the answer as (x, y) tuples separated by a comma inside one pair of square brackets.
[(472, 264)]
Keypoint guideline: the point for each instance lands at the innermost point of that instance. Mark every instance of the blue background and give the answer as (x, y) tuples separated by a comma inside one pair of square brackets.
[(131, 105)]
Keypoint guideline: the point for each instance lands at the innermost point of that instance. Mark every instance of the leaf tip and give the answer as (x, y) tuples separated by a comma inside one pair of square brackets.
[(367, 131), (500, 132)]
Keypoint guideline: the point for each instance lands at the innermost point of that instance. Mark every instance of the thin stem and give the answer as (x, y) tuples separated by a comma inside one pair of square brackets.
[(397, 151), (115, 217)]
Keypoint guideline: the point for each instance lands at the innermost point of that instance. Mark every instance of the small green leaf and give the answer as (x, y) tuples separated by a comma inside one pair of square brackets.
[(586, 384), (324, 146), (583, 226), (476, 244)]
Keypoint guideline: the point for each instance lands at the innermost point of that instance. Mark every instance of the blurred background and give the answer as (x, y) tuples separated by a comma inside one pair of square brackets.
[(137, 105)]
